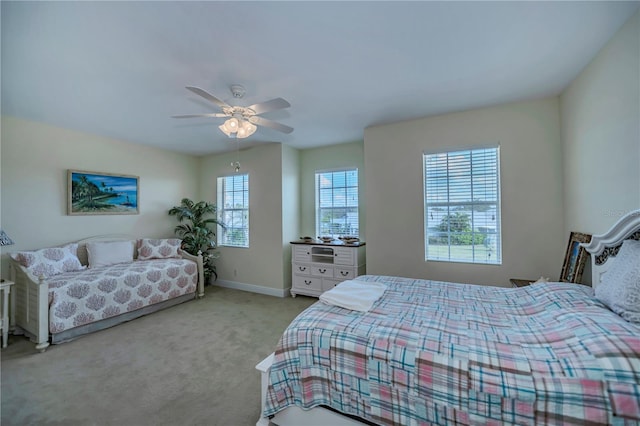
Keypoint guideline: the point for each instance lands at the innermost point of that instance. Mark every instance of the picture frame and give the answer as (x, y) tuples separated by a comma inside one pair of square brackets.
[(98, 193), (575, 258)]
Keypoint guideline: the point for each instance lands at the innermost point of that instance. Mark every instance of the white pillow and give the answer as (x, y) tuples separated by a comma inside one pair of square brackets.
[(109, 253), (619, 288)]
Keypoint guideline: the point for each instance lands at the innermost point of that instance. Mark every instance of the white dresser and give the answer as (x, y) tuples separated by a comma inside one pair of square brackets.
[(318, 267)]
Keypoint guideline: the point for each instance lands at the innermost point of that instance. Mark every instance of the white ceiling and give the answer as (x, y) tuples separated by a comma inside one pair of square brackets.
[(119, 69)]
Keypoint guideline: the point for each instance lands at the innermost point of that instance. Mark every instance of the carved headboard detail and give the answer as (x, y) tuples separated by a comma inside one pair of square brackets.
[(613, 251), (606, 246)]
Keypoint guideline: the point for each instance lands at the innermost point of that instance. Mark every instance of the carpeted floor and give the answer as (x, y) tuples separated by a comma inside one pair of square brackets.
[(192, 364)]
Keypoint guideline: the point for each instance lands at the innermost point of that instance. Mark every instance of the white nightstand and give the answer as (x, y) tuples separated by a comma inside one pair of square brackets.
[(5, 288)]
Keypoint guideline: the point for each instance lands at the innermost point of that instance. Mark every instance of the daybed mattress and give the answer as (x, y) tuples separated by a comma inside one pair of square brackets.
[(81, 297), (443, 353)]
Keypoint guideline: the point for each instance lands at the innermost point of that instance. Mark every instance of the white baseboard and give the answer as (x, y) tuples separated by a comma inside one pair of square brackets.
[(278, 292)]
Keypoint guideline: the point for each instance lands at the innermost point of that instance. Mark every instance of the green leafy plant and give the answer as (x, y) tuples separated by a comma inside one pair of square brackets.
[(198, 234), (458, 225)]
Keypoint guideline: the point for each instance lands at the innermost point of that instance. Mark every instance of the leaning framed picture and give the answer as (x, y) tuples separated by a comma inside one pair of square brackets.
[(575, 258), (93, 193)]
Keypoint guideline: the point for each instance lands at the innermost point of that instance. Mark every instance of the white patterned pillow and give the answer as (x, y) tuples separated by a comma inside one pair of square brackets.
[(149, 248), (50, 261), (620, 285)]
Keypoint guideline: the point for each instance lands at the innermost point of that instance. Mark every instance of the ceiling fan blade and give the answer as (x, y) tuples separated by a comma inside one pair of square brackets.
[(208, 96), (218, 114), (273, 104), (268, 123)]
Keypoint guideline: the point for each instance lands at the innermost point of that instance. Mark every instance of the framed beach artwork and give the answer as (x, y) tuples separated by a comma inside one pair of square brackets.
[(102, 193), (575, 258)]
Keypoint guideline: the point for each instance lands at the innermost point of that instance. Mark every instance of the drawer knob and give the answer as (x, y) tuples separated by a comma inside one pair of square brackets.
[(344, 273), (322, 271), (302, 268), (307, 282)]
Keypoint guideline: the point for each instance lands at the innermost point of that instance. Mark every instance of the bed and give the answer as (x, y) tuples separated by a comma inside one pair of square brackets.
[(444, 353), (61, 293)]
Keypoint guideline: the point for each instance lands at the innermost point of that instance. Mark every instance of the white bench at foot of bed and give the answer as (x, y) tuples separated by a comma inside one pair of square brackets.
[(296, 416)]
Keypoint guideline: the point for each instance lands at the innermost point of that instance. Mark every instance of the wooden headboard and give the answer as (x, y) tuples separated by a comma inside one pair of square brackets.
[(604, 247)]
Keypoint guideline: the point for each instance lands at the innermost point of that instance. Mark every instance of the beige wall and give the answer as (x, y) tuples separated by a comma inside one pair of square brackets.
[(327, 158), (531, 178), (600, 113), (290, 206), (281, 184), (35, 159), (261, 265)]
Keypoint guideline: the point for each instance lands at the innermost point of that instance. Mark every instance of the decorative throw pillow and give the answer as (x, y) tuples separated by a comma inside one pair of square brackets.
[(149, 248), (619, 288), (50, 261), (109, 253)]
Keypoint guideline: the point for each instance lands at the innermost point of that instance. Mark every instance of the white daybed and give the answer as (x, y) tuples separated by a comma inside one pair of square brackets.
[(56, 302), (549, 353)]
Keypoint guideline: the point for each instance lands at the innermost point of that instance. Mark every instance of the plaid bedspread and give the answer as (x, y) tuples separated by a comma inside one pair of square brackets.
[(442, 353)]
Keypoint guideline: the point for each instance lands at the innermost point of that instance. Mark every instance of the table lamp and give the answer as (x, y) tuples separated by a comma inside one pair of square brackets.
[(4, 239)]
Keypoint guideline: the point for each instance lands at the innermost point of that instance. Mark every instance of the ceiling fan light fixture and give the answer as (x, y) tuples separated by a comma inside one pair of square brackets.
[(239, 128), (224, 130), (232, 124), (231, 127), (249, 128)]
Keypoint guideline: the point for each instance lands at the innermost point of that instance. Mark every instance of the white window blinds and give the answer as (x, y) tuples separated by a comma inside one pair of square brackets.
[(337, 203), (233, 201), (462, 206)]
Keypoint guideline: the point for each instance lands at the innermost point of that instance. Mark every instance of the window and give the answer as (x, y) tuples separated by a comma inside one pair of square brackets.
[(462, 206), (337, 203), (233, 197)]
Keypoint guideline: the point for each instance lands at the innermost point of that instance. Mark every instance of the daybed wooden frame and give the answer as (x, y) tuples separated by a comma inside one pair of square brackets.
[(602, 247), (30, 298)]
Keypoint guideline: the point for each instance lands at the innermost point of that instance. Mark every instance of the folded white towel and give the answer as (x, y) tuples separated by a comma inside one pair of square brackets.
[(353, 294)]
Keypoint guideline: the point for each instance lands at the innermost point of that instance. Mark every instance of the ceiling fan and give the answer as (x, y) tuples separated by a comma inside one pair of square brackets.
[(241, 121)]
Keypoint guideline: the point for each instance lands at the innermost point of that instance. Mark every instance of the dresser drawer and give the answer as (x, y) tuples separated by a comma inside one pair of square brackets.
[(303, 282), (301, 253), (344, 273), (322, 271), (328, 284), (300, 269)]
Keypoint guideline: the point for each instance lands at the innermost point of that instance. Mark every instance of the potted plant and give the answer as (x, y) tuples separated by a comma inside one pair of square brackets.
[(198, 234)]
